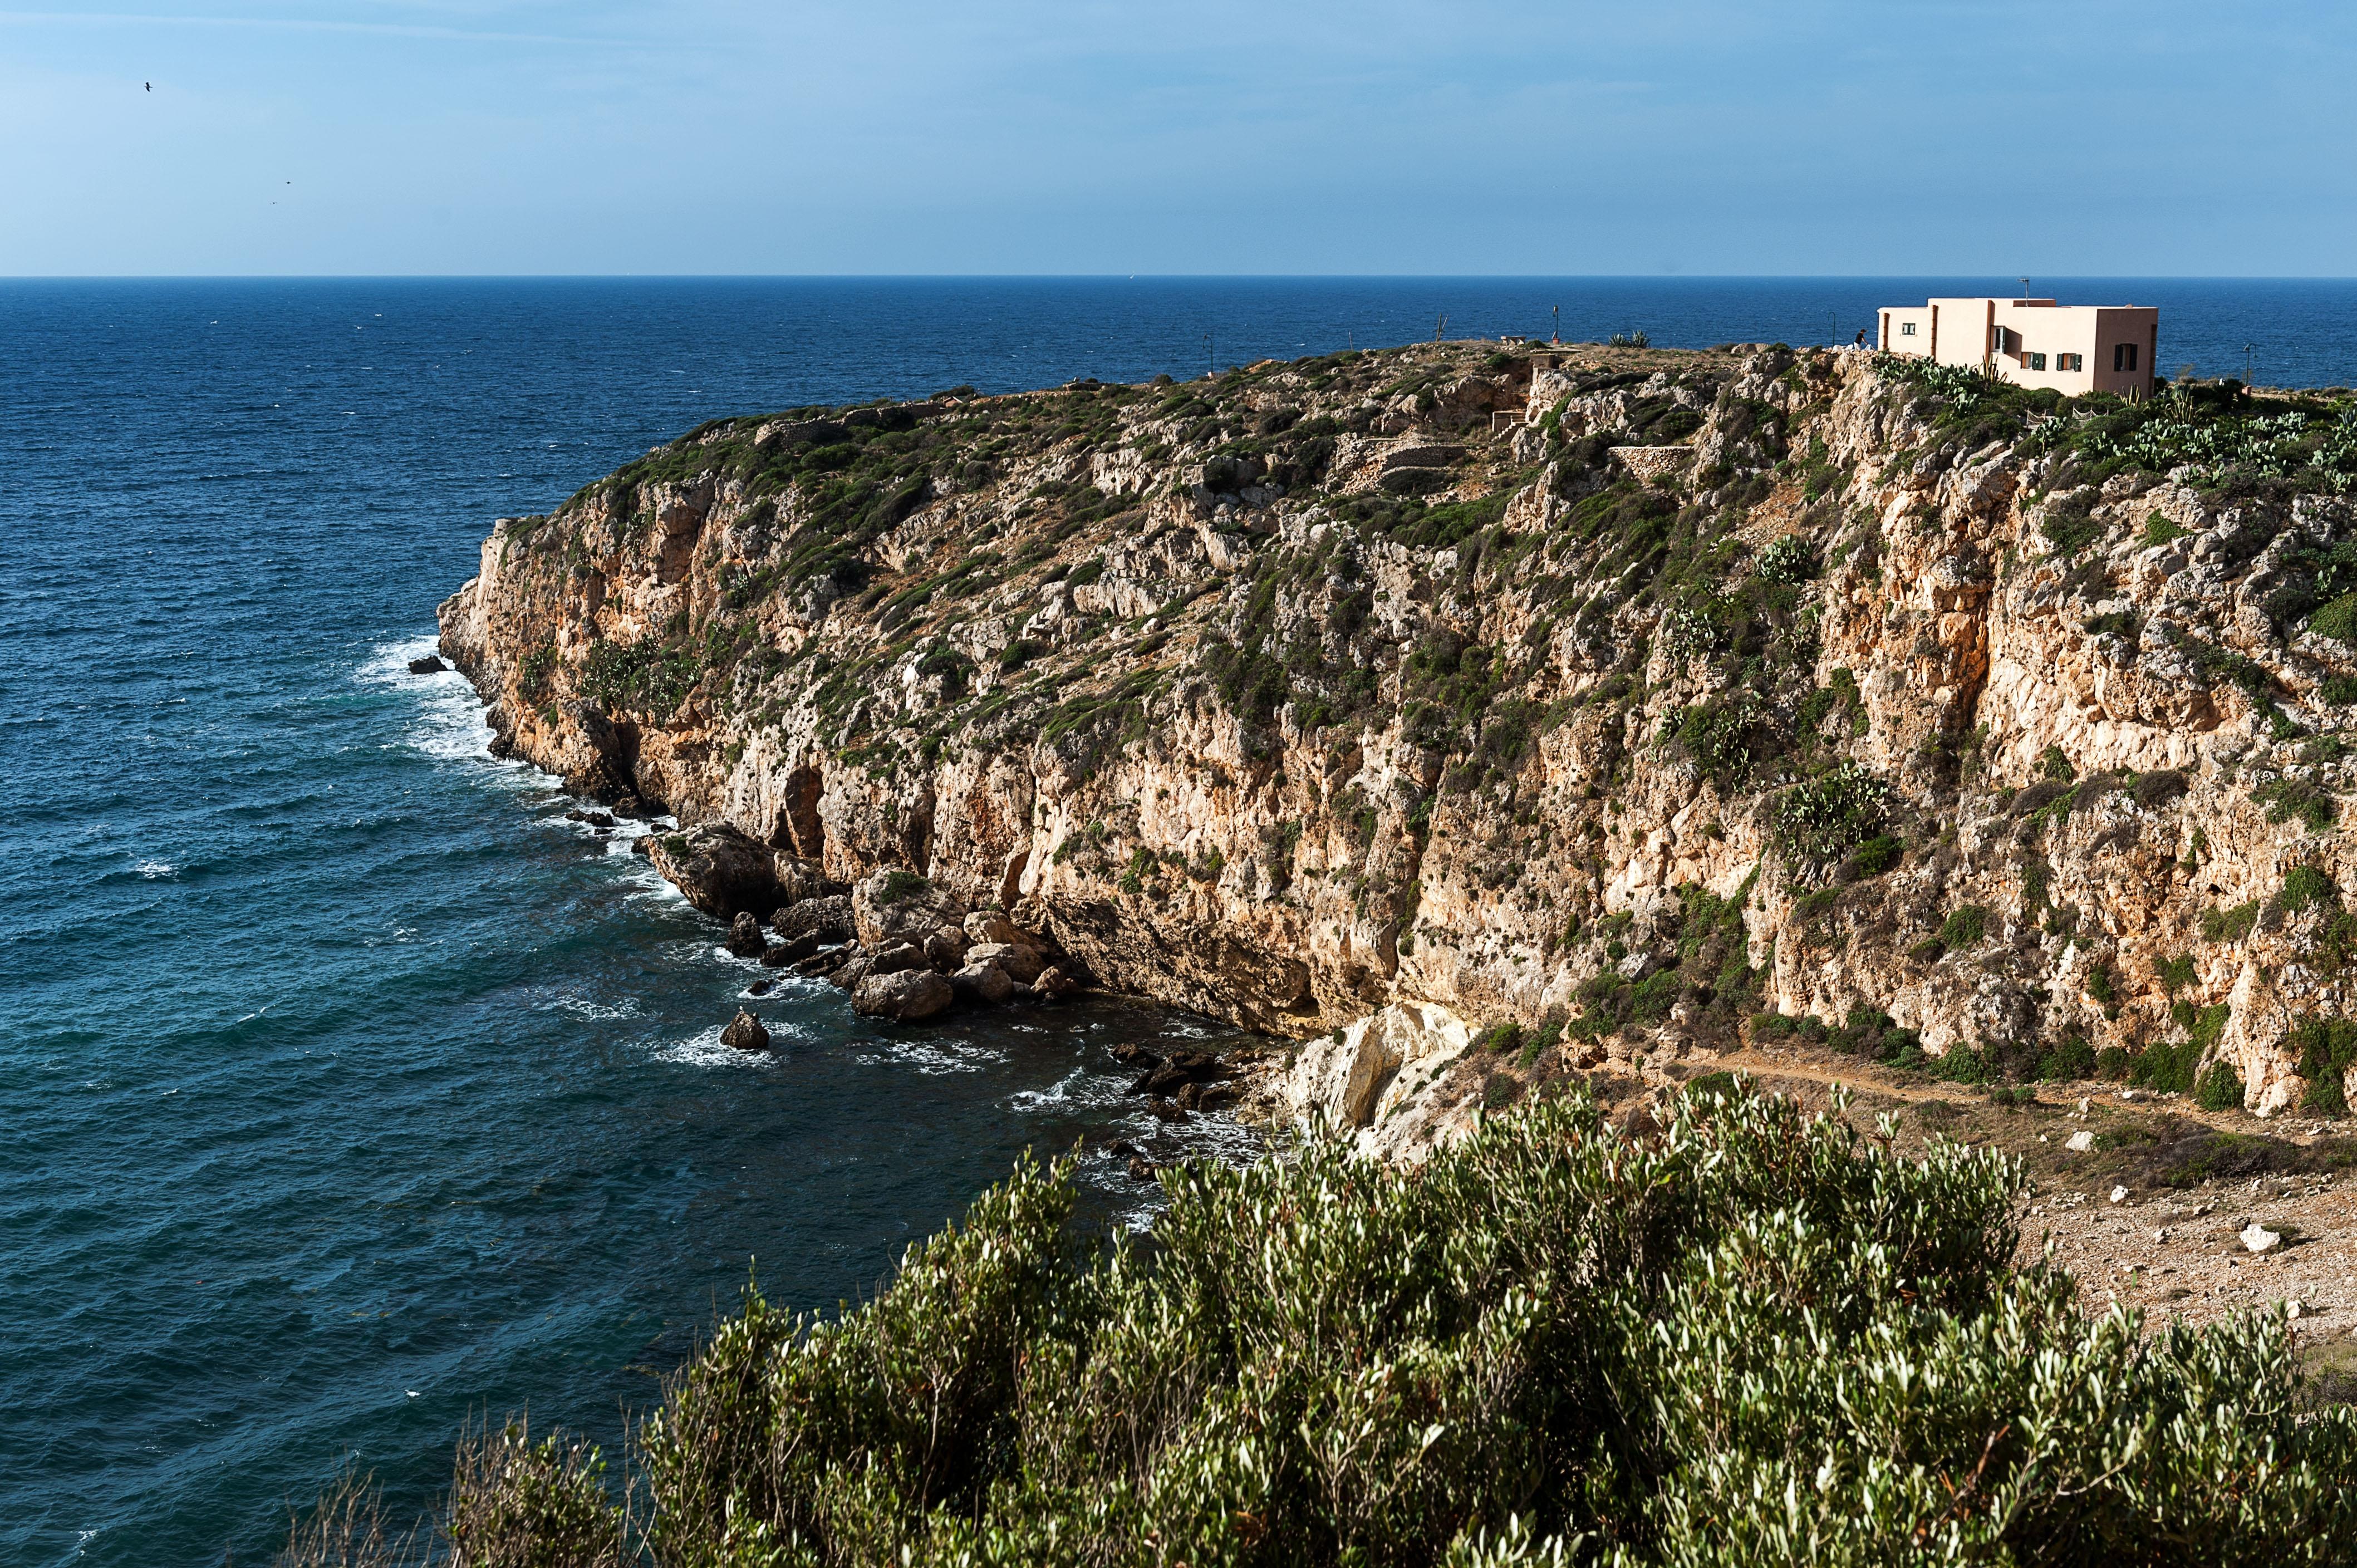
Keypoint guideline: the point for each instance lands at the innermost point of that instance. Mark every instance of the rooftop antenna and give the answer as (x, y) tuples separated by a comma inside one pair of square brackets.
[(2025, 291)]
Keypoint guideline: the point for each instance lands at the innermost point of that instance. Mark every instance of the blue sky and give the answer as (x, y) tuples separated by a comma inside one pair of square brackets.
[(1377, 136)]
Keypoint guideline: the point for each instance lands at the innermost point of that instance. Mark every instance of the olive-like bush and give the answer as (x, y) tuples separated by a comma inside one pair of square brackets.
[(1755, 1336)]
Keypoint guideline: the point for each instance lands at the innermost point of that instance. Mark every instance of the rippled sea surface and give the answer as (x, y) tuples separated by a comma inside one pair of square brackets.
[(346, 1086)]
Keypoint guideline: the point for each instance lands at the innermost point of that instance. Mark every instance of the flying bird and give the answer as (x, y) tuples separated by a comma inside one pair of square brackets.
[(148, 85)]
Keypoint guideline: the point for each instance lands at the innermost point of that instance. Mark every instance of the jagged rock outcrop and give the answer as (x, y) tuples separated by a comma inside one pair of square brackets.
[(1624, 694), (1386, 1076), (721, 871)]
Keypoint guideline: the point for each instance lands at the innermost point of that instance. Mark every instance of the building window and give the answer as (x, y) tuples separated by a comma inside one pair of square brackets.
[(2069, 362), (1907, 329), (2037, 362), (2123, 356)]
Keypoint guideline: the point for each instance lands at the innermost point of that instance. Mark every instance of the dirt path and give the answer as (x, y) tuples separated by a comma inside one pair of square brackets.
[(2151, 1211)]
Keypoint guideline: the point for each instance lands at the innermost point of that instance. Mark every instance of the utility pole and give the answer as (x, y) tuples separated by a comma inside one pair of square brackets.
[(1832, 328), (2248, 349), (1557, 336), (1208, 371)]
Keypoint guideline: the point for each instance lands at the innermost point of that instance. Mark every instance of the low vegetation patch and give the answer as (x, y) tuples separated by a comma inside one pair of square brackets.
[(1754, 1337)]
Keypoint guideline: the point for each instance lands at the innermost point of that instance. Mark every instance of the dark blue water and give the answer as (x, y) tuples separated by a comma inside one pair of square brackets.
[(344, 1086)]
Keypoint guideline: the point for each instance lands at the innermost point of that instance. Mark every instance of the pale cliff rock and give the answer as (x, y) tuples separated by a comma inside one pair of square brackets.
[(1386, 1077), (1378, 681)]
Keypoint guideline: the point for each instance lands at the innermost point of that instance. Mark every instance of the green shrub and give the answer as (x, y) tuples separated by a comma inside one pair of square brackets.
[(2053, 764), (1499, 1037), (2286, 798), (2067, 1060), (2328, 1049), (2221, 1088), (2337, 620), (2174, 974), (1754, 1337), (2305, 887), (2166, 1067), (1787, 560), (2229, 925), (1826, 815), (2068, 531), (1965, 925), (516, 1501), (900, 886), (1872, 858), (1960, 1064)]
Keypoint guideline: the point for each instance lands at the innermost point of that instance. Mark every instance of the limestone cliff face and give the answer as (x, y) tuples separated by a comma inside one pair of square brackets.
[(1629, 692)]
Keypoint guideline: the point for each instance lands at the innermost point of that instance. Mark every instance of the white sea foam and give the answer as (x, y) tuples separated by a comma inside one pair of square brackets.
[(448, 725), (934, 1058), (153, 869), (1077, 1088), (582, 1007), (705, 1050)]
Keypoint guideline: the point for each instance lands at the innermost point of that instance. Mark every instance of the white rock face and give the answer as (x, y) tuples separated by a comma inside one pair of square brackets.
[(1383, 1078), (2259, 1238)]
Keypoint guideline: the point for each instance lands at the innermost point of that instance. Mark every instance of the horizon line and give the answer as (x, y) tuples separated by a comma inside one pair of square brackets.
[(1147, 277)]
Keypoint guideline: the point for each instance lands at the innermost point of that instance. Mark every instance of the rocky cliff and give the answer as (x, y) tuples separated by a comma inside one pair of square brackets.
[(1621, 696)]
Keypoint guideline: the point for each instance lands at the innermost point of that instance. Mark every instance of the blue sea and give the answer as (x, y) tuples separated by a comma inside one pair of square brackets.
[(346, 1086)]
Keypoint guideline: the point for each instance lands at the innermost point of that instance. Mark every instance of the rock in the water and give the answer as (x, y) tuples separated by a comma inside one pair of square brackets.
[(761, 988), (1143, 1169), (1163, 1111), (722, 872), (594, 819), (1054, 982), (828, 920), (982, 982), (745, 1033), (906, 995), (2259, 1238), (429, 665), (1020, 963), (899, 905), (745, 937), (793, 952)]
